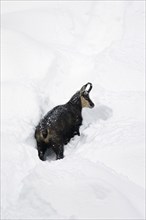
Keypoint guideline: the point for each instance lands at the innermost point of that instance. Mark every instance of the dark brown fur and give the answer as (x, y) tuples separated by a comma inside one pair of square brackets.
[(61, 124)]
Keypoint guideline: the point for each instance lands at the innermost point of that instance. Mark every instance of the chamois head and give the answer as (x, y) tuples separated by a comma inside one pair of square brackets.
[(84, 95)]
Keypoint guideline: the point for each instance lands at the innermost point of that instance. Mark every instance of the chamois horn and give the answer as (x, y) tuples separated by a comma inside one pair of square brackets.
[(90, 87), (83, 89)]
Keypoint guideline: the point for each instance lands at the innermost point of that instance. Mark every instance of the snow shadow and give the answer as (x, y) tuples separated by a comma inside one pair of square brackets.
[(101, 112), (50, 155)]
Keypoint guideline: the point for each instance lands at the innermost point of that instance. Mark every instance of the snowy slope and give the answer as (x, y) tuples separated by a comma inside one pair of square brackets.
[(49, 50)]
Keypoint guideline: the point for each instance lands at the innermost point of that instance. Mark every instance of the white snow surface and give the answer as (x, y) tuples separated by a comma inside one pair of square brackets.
[(49, 51)]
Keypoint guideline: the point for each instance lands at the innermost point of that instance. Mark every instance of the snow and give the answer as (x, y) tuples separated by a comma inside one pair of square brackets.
[(49, 51)]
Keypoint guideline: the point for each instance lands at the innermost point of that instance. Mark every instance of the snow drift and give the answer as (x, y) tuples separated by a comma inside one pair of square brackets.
[(49, 50)]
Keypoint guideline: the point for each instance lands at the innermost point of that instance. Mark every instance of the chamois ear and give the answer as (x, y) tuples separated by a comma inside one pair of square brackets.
[(83, 89)]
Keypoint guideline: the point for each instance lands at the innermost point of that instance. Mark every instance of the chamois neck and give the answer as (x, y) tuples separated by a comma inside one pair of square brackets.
[(76, 101)]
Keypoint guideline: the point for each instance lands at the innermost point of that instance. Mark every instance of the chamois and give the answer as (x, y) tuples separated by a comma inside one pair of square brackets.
[(62, 123)]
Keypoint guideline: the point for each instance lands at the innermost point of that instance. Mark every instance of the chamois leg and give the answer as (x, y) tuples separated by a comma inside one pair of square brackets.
[(77, 132), (42, 147), (59, 151)]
